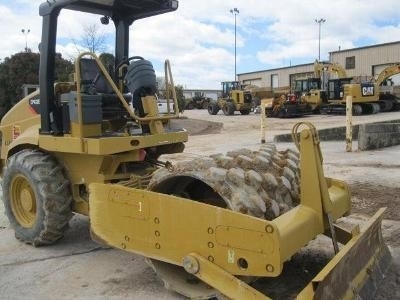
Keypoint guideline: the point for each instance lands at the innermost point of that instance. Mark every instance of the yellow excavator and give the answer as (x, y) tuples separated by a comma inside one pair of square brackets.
[(208, 227), (368, 97), (331, 68), (312, 90), (331, 97)]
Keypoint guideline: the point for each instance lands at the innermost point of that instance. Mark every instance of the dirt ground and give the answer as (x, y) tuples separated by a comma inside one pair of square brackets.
[(76, 267)]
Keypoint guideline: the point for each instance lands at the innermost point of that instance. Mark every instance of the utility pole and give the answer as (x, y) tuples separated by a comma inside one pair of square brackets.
[(25, 33), (319, 22), (235, 12)]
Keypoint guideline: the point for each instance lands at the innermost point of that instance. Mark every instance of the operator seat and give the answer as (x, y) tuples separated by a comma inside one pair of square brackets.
[(92, 79), (94, 82)]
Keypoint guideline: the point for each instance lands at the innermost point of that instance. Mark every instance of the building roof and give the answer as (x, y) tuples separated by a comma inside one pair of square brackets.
[(330, 53), (366, 47), (276, 69)]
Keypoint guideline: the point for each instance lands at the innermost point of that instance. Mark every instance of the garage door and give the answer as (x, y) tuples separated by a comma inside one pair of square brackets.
[(377, 69)]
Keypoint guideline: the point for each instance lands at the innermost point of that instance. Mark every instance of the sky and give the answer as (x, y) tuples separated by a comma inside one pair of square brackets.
[(199, 38)]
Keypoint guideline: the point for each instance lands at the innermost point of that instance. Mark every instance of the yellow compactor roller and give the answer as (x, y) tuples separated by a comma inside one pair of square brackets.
[(208, 227)]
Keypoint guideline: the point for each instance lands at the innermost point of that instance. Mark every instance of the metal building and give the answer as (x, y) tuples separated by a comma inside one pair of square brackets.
[(367, 61), (363, 62), (276, 78)]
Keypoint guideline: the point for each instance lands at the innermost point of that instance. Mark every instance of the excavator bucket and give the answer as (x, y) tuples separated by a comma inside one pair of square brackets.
[(355, 272)]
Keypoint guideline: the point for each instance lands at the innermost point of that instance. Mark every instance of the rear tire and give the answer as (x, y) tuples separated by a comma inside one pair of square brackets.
[(228, 109), (37, 197), (213, 108), (190, 106), (245, 111)]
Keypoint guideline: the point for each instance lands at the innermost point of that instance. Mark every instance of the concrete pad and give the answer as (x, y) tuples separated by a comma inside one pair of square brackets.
[(75, 268)]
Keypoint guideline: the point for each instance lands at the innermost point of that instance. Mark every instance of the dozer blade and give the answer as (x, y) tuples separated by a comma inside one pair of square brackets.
[(355, 272)]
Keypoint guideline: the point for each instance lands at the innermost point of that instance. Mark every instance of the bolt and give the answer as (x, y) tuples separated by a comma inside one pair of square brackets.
[(269, 229), (270, 268), (191, 264)]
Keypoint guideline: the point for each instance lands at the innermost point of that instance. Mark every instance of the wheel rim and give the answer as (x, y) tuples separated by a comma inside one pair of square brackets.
[(23, 201)]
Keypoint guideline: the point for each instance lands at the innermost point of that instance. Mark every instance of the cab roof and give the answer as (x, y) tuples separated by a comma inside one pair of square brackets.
[(134, 9)]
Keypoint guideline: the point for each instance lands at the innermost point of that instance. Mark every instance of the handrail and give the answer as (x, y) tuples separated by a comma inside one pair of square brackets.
[(170, 86), (118, 92), (109, 80)]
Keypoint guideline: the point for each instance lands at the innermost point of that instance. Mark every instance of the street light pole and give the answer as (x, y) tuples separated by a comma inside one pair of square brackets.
[(235, 12), (25, 33), (320, 22)]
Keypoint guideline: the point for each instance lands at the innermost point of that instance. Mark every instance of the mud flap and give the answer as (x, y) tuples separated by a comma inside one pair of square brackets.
[(355, 272)]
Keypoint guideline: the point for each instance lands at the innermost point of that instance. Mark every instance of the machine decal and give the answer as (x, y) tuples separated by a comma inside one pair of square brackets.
[(140, 206), (34, 105), (367, 90)]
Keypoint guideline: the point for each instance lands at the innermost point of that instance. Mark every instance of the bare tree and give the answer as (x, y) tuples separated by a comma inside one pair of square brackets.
[(93, 39), (161, 83)]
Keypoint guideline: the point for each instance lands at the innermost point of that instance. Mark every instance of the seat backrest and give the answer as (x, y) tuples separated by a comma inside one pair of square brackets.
[(92, 77)]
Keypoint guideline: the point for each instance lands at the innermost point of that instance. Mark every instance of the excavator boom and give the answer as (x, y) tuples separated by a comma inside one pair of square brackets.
[(386, 73), (331, 68)]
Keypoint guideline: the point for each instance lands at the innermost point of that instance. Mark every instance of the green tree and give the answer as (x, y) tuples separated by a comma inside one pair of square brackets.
[(108, 61), (23, 68), (4, 99), (64, 69), (180, 97)]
